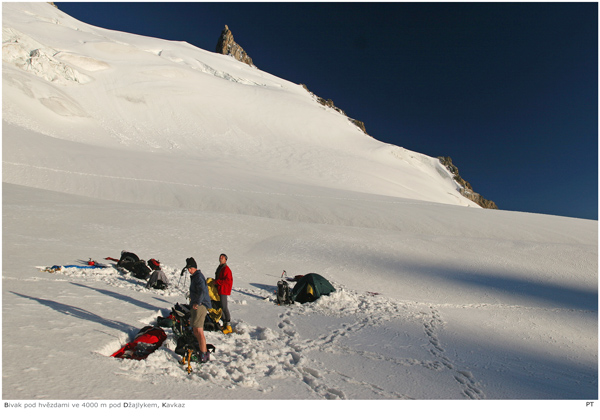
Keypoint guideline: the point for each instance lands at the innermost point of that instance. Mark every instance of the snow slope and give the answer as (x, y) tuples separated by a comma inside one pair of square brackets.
[(171, 115), (113, 141)]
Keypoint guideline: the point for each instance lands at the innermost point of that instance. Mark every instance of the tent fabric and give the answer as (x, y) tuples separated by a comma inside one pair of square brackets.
[(311, 287)]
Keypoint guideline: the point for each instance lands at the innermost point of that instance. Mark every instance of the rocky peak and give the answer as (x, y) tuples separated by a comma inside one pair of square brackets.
[(465, 188), (227, 46)]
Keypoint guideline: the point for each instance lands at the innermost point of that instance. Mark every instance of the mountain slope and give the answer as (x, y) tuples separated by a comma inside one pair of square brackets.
[(137, 97)]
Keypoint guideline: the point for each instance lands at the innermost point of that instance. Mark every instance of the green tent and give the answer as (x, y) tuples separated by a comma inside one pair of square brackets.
[(311, 287)]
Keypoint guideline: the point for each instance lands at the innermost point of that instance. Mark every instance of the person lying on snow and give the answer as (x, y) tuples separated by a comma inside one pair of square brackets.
[(158, 279)]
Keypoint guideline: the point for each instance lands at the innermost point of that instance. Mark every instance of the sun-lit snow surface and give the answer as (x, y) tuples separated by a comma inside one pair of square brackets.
[(169, 115), (113, 141)]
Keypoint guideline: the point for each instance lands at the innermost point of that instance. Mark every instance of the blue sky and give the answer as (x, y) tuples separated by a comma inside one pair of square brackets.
[(508, 90)]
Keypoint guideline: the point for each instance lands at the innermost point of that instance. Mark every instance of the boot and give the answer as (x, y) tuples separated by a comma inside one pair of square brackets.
[(203, 357), (227, 329)]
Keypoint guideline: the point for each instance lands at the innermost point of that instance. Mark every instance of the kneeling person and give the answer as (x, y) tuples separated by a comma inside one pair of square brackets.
[(158, 279)]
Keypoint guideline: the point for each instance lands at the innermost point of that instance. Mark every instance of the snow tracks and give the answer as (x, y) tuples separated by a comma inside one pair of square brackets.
[(469, 386), (348, 345)]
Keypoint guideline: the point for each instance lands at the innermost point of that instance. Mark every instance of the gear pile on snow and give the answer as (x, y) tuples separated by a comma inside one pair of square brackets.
[(187, 343), (308, 288), (146, 341), (284, 293), (132, 263)]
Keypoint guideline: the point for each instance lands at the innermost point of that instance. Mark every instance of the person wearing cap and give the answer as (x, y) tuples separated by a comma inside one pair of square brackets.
[(199, 305), (224, 281)]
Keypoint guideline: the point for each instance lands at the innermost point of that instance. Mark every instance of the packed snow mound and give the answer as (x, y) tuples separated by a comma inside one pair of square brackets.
[(87, 93)]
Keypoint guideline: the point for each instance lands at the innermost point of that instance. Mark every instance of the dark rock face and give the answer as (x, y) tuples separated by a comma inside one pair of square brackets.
[(466, 189), (226, 45), (329, 103)]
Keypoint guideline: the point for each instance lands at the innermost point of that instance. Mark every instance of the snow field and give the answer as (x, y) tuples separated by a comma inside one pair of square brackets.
[(345, 322), (493, 338), (169, 151)]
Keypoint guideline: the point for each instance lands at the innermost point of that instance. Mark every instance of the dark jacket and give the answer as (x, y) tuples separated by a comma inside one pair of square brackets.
[(199, 290)]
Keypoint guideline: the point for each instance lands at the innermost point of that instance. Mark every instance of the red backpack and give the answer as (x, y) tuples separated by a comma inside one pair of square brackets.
[(154, 264)]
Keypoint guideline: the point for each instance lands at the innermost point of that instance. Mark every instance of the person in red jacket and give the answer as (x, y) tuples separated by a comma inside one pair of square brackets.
[(224, 281)]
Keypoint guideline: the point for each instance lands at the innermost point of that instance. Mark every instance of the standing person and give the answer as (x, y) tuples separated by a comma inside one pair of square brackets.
[(200, 303), (224, 281)]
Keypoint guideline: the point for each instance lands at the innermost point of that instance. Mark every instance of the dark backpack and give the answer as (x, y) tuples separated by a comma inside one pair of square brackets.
[(127, 260), (184, 342), (284, 295), (140, 270), (190, 342), (131, 262), (181, 313)]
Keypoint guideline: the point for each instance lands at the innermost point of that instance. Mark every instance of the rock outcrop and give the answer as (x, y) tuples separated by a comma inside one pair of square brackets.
[(329, 103), (226, 45), (466, 189)]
